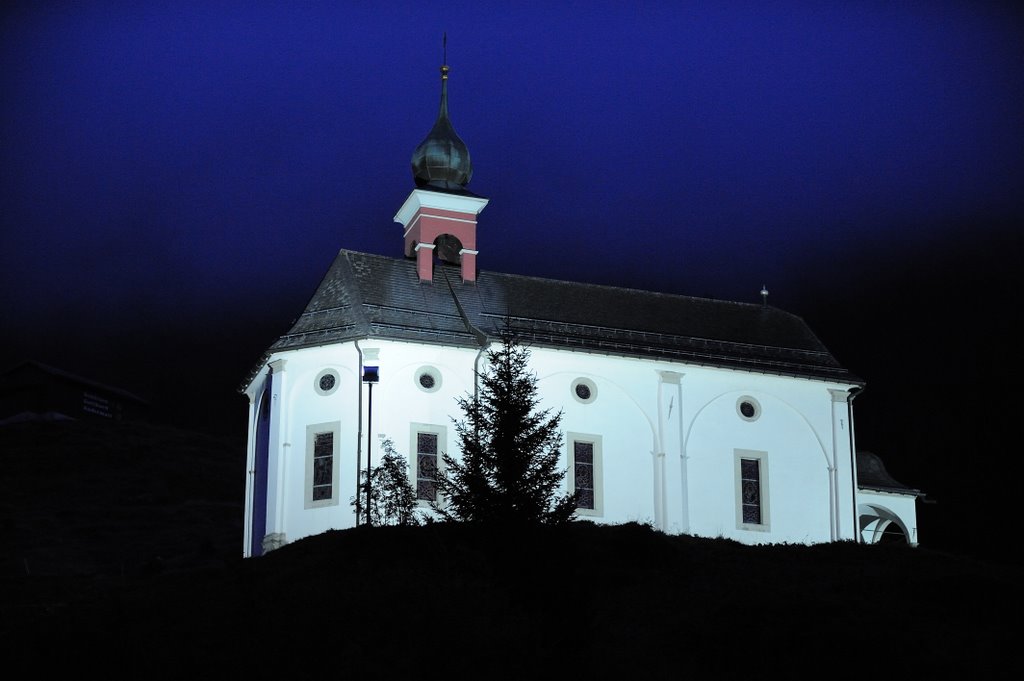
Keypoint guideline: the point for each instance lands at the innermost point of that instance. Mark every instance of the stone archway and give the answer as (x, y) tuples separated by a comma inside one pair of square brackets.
[(879, 525)]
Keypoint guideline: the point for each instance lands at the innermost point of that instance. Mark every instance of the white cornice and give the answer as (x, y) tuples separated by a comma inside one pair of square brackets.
[(424, 198)]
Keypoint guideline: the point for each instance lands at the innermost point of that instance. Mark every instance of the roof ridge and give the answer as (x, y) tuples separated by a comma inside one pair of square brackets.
[(357, 296), (629, 289), (569, 282)]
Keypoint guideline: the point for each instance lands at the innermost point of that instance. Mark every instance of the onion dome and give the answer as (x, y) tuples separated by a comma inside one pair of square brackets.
[(442, 159)]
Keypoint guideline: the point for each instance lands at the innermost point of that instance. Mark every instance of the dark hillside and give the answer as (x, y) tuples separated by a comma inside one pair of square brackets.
[(83, 504), (452, 600)]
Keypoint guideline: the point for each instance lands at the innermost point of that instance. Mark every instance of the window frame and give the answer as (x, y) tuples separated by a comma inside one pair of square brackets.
[(431, 371), (571, 439), (414, 456), (589, 384), (739, 455), (323, 374), (312, 430), (754, 403)]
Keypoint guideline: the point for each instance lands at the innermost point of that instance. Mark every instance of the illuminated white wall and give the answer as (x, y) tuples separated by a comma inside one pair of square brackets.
[(669, 436)]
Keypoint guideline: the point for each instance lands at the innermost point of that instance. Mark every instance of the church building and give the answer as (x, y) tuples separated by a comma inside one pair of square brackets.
[(698, 416)]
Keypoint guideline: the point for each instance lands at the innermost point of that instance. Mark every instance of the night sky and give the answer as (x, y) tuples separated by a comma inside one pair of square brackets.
[(177, 177)]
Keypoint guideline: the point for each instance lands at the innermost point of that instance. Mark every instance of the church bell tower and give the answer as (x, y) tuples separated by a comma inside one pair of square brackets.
[(439, 216)]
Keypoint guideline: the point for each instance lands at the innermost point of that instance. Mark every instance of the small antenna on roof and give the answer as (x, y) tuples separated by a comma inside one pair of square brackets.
[(764, 295)]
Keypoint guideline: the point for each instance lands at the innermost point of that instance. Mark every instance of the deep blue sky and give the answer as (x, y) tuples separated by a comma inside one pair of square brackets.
[(178, 176)]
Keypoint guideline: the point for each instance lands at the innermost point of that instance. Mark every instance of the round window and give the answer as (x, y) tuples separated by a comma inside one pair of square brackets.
[(326, 382), (584, 390), (428, 379), (748, 408)]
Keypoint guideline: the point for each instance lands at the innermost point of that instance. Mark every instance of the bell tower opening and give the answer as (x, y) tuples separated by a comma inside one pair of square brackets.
[(448, 249)]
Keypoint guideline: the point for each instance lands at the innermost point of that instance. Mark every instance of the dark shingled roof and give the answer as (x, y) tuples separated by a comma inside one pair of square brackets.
[(871, 475), (365, 295)]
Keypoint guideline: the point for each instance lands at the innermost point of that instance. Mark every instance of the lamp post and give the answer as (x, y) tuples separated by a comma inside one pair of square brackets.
[(371, 375)]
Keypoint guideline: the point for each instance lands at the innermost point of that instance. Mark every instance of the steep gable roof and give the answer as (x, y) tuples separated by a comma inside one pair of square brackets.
[(364, 295)]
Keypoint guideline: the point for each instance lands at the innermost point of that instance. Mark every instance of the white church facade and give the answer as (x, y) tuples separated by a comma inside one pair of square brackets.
[(698, 416)]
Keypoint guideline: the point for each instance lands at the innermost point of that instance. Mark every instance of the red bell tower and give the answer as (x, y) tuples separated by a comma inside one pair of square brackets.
[(441, 224), (439, 217)]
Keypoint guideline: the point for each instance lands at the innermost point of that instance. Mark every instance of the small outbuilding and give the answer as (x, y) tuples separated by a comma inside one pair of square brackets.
[(32, 391)]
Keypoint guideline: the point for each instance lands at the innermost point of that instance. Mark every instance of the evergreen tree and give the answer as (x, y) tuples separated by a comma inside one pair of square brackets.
[(392, 498), (509, 470)]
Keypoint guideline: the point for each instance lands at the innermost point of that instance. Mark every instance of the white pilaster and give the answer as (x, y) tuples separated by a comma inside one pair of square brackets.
[(672, 501), (842, 479), (278, 460)]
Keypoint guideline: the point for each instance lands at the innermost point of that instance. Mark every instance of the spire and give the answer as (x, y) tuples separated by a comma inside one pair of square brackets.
[(442, 159), (443, 111)]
